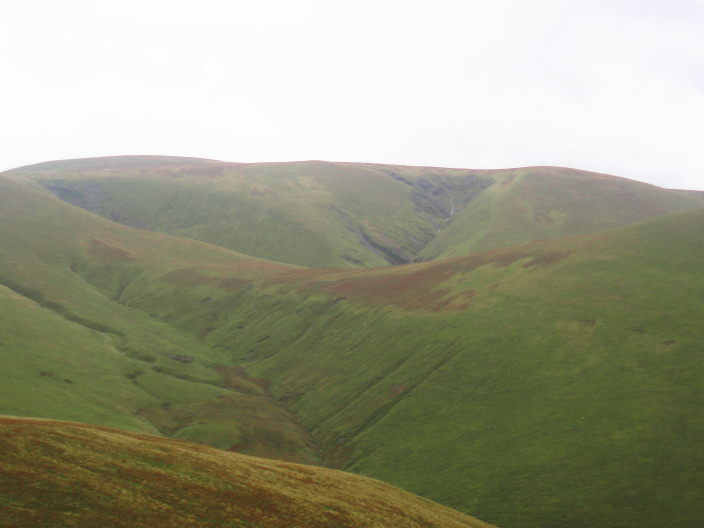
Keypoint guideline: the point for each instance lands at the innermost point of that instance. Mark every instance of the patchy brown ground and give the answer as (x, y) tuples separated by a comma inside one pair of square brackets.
[(61, 474)]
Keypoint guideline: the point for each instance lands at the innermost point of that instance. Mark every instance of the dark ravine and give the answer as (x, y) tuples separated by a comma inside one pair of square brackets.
[(390, 255)]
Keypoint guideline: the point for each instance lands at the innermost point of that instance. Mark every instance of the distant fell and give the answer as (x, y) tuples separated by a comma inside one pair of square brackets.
[(112, 163), (538, 203), (341, 215)]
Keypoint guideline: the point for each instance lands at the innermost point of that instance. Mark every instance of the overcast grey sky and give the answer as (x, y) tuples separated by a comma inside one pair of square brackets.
[(614, 86)]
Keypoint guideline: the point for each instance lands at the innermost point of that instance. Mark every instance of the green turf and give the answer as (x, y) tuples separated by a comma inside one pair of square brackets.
[(72, 350), (554, 383)]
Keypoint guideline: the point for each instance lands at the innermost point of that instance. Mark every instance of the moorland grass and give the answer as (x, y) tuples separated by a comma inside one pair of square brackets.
[(72, 350), (63, 474), (341, 215), (552, 384), (565, 385)]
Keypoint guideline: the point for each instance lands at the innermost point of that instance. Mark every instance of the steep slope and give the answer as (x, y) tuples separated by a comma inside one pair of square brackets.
[(555, 383), (73, 351), (309, 213), (65, 474), (340, 215), (560, 377), (537, 203)]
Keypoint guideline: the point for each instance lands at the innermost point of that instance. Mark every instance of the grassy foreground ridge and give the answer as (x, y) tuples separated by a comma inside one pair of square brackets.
[(61, 474)]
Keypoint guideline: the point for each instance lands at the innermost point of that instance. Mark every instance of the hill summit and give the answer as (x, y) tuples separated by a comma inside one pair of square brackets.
[(340, 215)]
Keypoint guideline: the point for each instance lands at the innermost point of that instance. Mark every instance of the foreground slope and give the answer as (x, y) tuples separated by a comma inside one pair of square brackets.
[(320, 214), (66, 474), (556, 383)]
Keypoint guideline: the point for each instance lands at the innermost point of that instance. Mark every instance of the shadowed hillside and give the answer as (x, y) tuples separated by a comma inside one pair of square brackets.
[(340, 215), (554, 383), (60, 474)]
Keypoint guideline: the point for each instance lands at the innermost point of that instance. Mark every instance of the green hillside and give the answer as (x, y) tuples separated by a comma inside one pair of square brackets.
[(341, 215), (315, 214), (555, 383), (562, 378), (73, 351), (60, 474), (537, 203)]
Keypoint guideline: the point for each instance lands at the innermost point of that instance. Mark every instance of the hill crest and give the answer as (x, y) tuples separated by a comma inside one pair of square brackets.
[(339, 215)]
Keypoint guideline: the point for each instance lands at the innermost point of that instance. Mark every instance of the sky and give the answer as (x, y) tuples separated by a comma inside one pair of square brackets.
[(613, 86)]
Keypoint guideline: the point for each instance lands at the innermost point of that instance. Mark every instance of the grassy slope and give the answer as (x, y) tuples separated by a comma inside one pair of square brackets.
[(73, 351), (339, 215), (537, 203), (560, 378), (62, 474), (310, 213), (573, 384)]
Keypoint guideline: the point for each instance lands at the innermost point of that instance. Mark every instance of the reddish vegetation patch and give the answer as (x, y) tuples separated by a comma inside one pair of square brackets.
[(500, 259), (339, 455), (237, 379), (59, 474), (411, 287), (666, 346), (545, 259), (202, 335), (233, 284), (420, 286), (109, 253), (454, 302), (256, 424), (396, 390)]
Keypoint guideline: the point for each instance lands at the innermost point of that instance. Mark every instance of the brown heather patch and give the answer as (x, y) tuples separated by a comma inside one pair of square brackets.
[(396, 390), (108, 253), (237, 379), (666, 346), (459, 302), (256, 425), (545, 259), (60, 474), (233, 284), (421, 286)]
